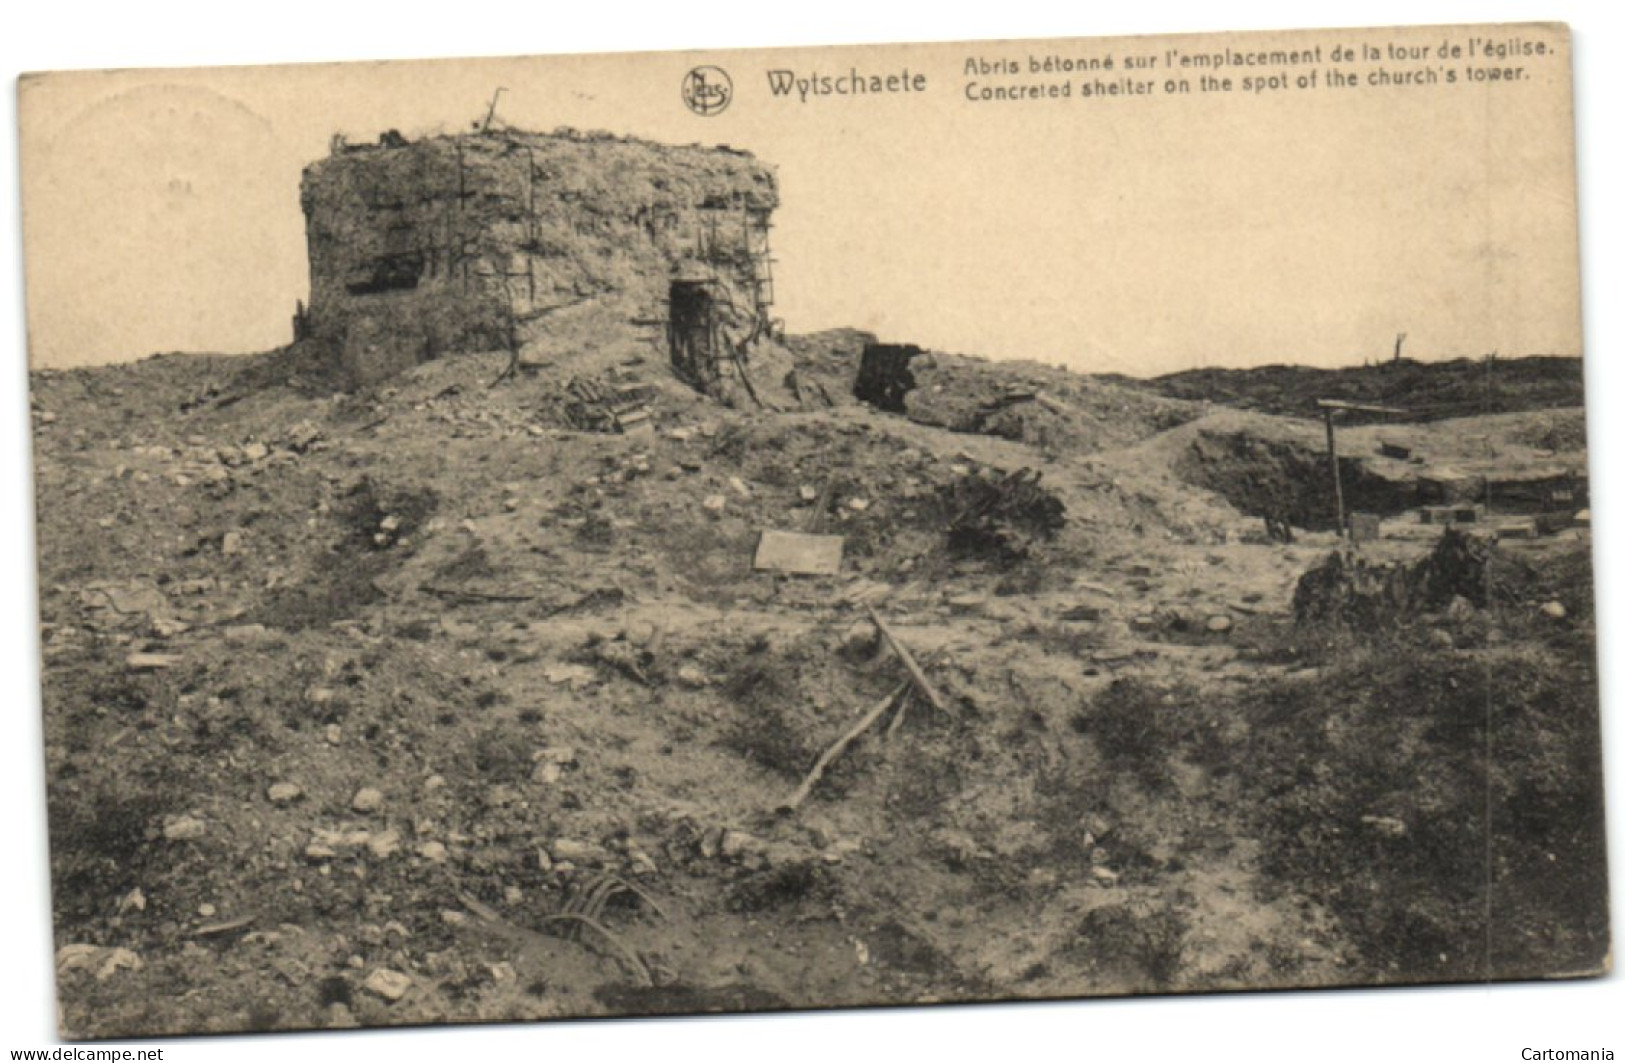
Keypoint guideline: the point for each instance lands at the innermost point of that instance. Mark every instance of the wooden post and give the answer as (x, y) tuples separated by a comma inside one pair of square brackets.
[(1329, 407), (1337, 474)]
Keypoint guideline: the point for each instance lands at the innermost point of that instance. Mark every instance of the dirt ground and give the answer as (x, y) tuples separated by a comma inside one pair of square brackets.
[(420, 705)]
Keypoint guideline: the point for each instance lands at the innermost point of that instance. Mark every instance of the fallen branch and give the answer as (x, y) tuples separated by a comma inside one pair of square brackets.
[(633, 961), (897, 719), (921, 683), (217, 929), (606, 886), (484, 911), (478, 596), (488, 915), (829, 755)]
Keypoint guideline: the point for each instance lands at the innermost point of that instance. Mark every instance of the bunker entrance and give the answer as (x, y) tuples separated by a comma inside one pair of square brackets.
[(692, 331), (884, 378)]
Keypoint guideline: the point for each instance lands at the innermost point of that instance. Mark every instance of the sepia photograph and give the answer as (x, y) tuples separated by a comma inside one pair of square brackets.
[(709, 532)]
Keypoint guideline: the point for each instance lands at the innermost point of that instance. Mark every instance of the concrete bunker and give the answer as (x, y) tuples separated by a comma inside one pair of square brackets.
[(548, 243)]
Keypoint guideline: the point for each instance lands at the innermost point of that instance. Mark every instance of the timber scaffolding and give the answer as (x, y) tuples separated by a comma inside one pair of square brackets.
[(698, 306)]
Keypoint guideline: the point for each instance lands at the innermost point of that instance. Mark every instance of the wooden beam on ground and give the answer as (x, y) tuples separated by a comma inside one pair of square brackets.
[(921, 683), (828, 757)]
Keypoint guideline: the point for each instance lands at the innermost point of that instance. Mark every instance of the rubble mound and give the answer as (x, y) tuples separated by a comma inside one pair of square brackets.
[(1349, 589), (1045, 406), (1001, 519), (467, 696)]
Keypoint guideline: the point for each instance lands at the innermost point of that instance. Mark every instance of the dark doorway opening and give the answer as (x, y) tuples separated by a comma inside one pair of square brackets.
[(884, 377), (691, 332)]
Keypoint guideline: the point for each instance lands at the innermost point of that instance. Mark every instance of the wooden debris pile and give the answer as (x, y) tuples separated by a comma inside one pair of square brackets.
[(593, 404), (1002, 519)]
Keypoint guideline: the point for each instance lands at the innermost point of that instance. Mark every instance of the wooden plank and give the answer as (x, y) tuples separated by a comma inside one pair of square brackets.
[(921, 683), (799, 553), (1357, 407)]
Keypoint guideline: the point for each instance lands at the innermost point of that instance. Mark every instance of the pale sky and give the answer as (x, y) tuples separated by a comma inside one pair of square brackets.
[(1139, 234)]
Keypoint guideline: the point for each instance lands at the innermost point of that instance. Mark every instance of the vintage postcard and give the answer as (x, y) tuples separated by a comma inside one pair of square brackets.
[(752, 530)]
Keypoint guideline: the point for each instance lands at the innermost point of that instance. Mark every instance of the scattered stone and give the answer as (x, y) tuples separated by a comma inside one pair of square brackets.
[(681, 434), (547, 773), (859, 635), (576, 675), (1554, 610), (807, 493), (639, 632), (241, 634), (207, 910), (384, 844), (1042, 878), (102, 962), (1386, 825), (739, 486), (1104, 875), (434, 782), (388, 984), (231, 543), (152, 662), (1219, 624), (691, 675), (857, 505), (185, 828), (434, 852), (367, 799), (451, 918), (737, 844), (134, 901), (967, 603), (715, 503), (711, 843), (302, 436), (573, 849)]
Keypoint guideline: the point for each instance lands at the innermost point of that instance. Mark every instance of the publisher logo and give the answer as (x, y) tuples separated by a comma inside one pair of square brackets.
[(707, 90)]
